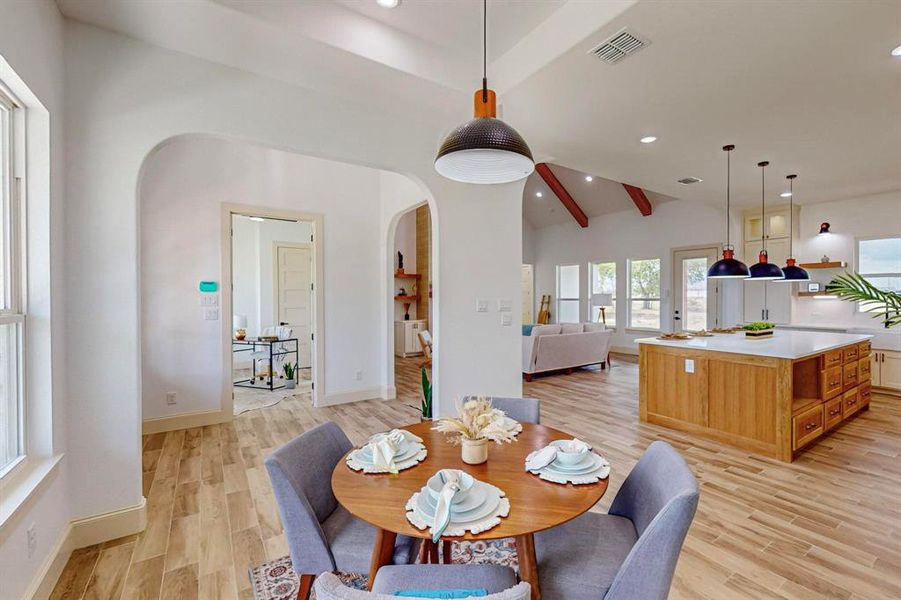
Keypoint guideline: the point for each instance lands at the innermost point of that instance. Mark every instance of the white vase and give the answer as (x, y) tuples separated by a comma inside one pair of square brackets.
[(475, 452)]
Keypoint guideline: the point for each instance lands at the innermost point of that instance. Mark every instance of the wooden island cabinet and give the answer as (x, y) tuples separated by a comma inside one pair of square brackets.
[(772, 396)]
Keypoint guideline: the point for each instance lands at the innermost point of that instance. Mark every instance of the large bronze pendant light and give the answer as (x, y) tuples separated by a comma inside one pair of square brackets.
[(792, 271), (484, 150), (728, 267), (764, 270)]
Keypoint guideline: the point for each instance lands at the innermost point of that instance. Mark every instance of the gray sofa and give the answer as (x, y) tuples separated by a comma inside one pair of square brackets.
[(565, 346)]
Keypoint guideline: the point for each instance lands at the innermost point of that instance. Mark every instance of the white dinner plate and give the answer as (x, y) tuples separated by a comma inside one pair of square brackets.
[(475, 497), (591, 463)]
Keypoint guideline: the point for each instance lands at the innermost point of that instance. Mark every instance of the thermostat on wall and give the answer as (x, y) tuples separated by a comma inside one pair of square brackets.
[(209, 286)]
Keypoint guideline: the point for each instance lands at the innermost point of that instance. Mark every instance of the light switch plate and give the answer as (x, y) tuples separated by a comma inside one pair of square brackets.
[(210, 314), (481, 306), (689, 365), (209, 300), (506, 319), (505, 305)]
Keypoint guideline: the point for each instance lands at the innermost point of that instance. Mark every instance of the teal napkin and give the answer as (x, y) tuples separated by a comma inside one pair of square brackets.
[(443, 593)]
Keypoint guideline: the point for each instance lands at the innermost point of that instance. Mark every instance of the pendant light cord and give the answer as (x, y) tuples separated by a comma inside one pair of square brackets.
[(728, 198), (791, 217), (485, 51), (763, 204)]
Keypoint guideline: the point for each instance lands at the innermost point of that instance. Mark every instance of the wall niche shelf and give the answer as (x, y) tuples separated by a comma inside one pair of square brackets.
[(824, 265), (820, 294)]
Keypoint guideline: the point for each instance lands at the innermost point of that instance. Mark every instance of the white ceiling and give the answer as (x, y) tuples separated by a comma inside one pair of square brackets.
[(596, 198), (809, 86)]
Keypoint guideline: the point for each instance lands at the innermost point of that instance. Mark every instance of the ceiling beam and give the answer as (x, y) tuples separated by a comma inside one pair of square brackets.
[(552, 182), (640, 199)]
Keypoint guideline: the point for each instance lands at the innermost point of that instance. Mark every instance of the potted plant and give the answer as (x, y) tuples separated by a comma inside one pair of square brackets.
[(853, 287), (758, 329), (477, 424), (290, 369), (426, 405)]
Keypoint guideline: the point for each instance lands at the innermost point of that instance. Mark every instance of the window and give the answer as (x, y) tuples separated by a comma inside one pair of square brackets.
[(567, 293), (602, 280), (12, 317), (879, 261), (644, 293)]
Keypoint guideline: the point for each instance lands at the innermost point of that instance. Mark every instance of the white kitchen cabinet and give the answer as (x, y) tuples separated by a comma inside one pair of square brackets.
[(406, 337), (886, 369), (767, 301)]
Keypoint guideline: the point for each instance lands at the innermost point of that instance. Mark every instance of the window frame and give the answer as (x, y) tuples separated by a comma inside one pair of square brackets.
[(12, 221), (558, 299), (591, 291), (630, 298), (871, 238)]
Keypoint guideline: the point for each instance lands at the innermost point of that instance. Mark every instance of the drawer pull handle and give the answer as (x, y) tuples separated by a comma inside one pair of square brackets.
[(837, 411), (810, 426)]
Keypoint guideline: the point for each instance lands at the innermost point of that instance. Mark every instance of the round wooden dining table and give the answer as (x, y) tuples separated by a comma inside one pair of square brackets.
[(535, 504)]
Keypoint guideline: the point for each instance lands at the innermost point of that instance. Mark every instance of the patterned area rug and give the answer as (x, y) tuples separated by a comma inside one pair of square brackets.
[(276, 580)]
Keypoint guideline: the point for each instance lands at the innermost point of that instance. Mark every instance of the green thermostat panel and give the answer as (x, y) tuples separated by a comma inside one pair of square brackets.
[(209, 286)]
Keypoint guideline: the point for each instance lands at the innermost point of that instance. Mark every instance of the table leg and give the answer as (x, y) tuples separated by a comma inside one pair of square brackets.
[(382, 552), (446, 552), (528, 564)]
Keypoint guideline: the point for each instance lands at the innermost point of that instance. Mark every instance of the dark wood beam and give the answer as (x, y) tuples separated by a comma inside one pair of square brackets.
[(640, 199), (552, 182)]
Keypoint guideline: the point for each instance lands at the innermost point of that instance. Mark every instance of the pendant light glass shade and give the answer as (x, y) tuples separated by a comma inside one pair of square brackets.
[(763, 270), (728, 267), (791, 270), (484, 150)]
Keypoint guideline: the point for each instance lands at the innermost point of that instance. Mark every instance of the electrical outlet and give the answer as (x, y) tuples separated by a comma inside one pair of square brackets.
[(209, 300), (689, 365), (505, 305), (481, 306), (211, 314), (358, 375), (32, 536), (506, 319), (170, 398)]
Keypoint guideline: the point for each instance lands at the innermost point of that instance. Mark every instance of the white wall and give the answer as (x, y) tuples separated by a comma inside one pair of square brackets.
[(405, 242), (184, 185), (123, 99), (31, 45), (627, 234), (868, 216), (246, 272)]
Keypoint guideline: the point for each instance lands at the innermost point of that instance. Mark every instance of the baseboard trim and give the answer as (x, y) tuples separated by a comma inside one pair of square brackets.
[(624, 350), (370, 393), (185, 420), (389, 393), (85, 532)]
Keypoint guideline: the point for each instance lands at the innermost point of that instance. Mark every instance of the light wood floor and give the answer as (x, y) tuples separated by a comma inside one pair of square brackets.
[(826, 526)]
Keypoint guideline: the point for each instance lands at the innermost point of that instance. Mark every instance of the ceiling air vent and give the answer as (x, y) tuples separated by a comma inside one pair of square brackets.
[(619, 46), (689, 180)]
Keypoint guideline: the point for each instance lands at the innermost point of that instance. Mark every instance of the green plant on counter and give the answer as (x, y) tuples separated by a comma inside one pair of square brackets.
[(758, 326), (426, 395), (854, 287)]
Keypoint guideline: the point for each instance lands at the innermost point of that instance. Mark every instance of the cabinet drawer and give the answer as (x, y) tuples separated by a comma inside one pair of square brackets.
[(863, 369), (849, 354), (850, 403), (863, 350), (833, 414), (849, 376), (863, 394), (832, 382), (832, 358), (807, 426)]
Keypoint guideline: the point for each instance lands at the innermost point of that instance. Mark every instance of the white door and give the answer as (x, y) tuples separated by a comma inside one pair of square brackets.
[(528, 291), (694, 296), (294, 296)]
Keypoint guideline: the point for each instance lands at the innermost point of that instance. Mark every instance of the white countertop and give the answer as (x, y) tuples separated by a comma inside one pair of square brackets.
[(784, 343)]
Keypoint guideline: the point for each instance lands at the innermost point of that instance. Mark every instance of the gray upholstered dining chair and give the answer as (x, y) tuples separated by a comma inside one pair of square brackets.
[(321, 534), (524, 410), (498, 581), (631, 552)]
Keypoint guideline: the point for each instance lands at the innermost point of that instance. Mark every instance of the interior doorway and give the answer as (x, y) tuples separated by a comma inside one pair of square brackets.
[(273, 310), (695, 297)]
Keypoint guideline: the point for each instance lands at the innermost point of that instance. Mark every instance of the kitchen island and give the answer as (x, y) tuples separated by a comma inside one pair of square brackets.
[(772, 395)]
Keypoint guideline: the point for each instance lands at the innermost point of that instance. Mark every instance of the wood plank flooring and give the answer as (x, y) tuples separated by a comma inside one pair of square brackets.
[(826, 526)]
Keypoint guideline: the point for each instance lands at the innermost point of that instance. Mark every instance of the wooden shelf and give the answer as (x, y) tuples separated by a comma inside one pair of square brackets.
[(406, 298), (824, 265), (813, 294), (407, 275)]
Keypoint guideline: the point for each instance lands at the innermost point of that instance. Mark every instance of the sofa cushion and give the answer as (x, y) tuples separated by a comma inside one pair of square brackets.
[(571, 328), (527, 329), (545, 330), (594, 327)]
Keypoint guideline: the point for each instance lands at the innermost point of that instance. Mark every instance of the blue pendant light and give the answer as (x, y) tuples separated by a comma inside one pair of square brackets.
[(764, 270), (791, 270), (727, 267)]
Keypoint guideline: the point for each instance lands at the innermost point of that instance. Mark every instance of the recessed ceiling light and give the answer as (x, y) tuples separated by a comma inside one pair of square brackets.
[(648, 139), (257, 219), (896, 51), (786, 194), (388, 3), (589, 178), (539, 194)]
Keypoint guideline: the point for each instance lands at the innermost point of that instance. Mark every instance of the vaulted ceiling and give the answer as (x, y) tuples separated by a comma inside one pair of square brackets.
[(809, 86)]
